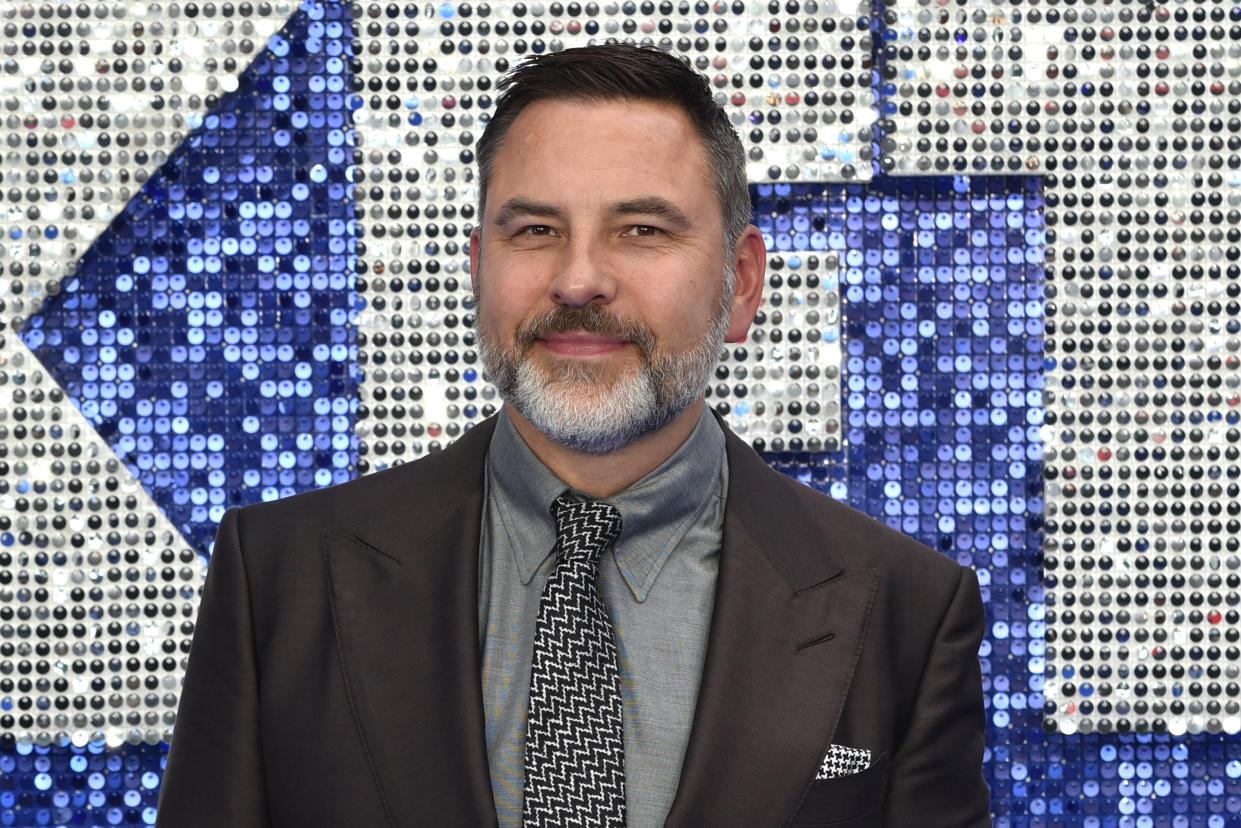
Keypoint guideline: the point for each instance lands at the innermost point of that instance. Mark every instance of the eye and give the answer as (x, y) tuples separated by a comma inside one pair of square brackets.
[(535, 230), (643, 230)]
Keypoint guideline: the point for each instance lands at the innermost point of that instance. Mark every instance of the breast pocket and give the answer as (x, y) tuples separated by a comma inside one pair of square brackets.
[(854, 801)]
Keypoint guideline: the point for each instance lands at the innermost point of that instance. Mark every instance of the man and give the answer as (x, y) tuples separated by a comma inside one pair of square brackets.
[(434, 645)]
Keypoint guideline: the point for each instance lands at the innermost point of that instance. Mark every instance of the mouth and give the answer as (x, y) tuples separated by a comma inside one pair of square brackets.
[(581, 343)]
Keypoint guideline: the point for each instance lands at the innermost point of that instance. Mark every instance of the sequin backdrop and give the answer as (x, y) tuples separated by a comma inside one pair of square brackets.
[(1001, 315)]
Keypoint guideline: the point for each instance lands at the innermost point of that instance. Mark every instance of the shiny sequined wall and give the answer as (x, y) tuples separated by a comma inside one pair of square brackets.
[(1002, 316)]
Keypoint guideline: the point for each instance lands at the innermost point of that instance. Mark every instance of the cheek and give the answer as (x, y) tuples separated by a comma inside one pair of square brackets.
[(501, 309), (510, 283), (492, 317), (687, 312)]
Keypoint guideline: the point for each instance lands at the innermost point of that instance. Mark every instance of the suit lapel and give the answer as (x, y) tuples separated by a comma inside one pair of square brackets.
[(786, 631), (403, 591)]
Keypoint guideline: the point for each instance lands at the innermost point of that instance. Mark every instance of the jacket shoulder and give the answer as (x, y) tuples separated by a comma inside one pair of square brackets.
[(777, 506), (873, 543), (431, 485)]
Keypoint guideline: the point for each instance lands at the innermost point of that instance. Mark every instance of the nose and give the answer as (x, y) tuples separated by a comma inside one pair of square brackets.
[(583, 276)]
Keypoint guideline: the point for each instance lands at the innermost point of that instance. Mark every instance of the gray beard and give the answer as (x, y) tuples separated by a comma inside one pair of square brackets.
[(582, 408)]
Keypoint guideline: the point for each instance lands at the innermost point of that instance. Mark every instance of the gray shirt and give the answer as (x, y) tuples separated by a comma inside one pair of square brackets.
[(657, 581)]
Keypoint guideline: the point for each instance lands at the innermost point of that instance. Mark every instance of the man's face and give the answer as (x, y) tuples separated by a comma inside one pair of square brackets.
[(599, 269)]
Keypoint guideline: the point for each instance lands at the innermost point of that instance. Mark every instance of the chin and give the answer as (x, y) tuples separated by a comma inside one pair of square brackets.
[(588, 413)]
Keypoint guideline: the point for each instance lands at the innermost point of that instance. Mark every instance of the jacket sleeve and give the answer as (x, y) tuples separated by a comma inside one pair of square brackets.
[(214, 773), (936, 775)]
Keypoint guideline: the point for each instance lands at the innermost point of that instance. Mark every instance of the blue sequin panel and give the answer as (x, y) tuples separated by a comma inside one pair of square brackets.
[(208, 332), (943, 334)]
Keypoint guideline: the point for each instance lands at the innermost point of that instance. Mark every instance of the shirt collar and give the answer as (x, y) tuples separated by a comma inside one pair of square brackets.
[(656, 511)]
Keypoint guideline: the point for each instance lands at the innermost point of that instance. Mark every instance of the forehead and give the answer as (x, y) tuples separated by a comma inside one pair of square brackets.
[(582, 150)]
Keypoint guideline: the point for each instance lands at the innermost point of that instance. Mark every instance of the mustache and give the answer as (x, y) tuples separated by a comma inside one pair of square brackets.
[(593, 319)]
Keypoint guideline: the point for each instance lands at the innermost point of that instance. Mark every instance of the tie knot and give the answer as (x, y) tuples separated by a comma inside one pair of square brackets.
[(584, 527)]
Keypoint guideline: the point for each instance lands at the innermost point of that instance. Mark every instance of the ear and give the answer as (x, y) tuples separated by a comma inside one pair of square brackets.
[(476, 253), (751, 270)]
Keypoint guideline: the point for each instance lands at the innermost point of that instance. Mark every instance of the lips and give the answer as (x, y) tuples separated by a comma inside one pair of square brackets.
[(581, 343)]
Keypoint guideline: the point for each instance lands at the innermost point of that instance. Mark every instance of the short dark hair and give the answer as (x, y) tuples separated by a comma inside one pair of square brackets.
[(624, 71)]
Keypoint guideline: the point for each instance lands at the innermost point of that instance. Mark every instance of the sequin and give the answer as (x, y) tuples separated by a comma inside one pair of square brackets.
[(234, 268)]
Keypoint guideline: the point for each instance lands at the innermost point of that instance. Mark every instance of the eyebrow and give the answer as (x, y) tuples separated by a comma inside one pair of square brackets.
[(653, 206), (519, 206)]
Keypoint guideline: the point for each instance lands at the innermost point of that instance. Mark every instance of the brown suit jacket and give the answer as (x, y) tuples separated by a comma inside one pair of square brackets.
[(334, 674)]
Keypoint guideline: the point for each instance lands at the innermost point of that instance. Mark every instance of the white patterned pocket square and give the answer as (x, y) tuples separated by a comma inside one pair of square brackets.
[(843, 761)]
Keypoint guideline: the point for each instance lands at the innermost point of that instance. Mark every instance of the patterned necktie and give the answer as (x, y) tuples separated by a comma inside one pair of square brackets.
[(575, 750)]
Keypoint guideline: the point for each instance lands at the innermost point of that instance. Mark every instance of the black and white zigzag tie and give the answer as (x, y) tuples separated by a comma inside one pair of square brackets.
[(575, 750)]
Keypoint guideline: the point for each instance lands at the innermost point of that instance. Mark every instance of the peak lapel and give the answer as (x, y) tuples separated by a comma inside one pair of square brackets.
[(786, 631), (403, 592)]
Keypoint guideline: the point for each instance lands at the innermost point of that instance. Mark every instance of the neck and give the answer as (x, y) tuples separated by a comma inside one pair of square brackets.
[(601, 475)]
